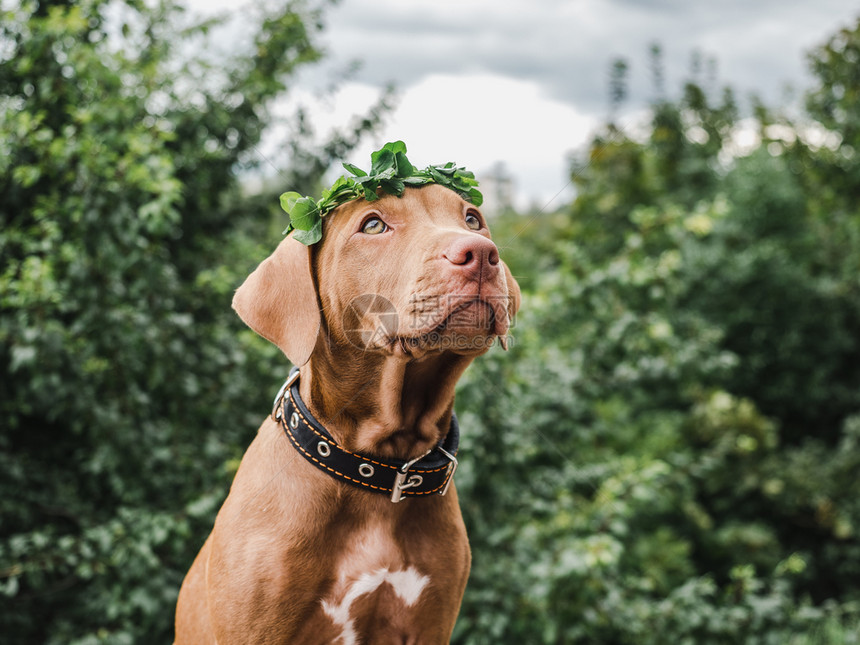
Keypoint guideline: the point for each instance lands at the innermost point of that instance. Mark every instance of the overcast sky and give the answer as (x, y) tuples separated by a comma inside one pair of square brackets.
[(524, 82)]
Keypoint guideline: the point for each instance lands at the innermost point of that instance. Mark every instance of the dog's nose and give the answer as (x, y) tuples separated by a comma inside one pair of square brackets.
[(473, 254)]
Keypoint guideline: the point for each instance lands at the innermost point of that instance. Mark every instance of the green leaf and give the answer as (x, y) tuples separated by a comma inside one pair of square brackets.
[(437, 176), (339, 185), (388, 173), (395, 147), (342, 191), (393, 187), (304, 214), (355, 170), (404, 168), (288, 200), (311, 236), (382, 161), (475, 197), (370, 192)]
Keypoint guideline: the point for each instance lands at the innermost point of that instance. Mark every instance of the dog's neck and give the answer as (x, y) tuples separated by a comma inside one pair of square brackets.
[(383, 405)]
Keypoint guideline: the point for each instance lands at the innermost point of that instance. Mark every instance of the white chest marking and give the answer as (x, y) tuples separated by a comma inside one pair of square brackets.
[(407, 584)]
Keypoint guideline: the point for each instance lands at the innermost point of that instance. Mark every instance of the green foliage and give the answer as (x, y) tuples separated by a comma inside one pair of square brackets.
[(128, 389), (669, 452), (390, 172)]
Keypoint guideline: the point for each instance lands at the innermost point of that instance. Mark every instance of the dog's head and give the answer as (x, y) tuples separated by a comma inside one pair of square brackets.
[(407, 276)]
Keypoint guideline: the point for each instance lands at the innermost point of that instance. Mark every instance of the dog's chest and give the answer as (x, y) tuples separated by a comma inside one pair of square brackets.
[(375, 588)]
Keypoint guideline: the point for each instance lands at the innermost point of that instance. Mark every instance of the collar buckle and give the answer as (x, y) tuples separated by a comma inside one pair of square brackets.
[(278, 404), (404, 480), (401, 482)]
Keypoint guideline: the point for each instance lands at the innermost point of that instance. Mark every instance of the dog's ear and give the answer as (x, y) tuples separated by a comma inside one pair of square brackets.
[(279, 301)]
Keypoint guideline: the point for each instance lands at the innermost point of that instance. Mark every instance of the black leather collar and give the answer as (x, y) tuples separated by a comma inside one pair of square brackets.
[(426, 475)]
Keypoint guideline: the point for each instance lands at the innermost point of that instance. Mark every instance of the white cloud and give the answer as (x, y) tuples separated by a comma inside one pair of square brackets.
[(567, 46), (476, 120), (523, 81)]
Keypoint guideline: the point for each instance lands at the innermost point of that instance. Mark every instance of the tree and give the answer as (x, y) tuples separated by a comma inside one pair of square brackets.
[(125, 398), (673, 454)]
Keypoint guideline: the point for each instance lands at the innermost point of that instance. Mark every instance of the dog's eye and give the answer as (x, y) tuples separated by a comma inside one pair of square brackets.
[(473, 222), (374, 226)]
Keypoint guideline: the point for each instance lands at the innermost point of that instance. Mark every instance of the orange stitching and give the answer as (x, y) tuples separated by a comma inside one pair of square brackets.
[(296, 443), (310, 425), (425, 492)]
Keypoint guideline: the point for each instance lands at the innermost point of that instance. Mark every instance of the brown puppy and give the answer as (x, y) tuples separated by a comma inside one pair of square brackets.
[(382, 316)]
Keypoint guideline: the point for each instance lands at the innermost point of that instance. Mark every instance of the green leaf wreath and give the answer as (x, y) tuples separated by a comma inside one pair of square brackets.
[(390, 172)]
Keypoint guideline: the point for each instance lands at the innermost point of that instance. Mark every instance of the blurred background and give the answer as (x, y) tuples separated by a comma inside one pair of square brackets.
[(669, 452)]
